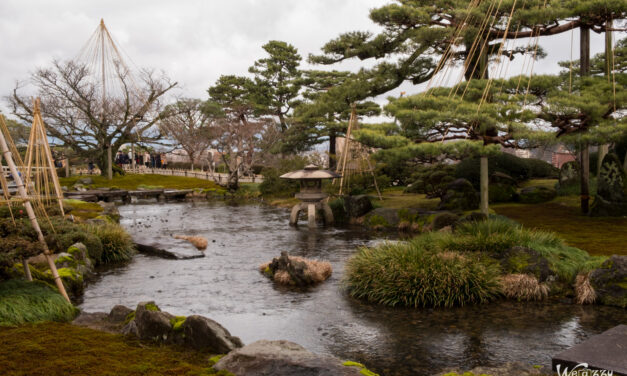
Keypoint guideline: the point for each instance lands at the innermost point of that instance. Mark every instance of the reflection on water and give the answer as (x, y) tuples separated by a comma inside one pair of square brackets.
[(226, 286)]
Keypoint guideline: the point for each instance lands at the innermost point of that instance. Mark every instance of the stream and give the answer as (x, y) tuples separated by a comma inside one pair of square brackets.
[(226, 286)]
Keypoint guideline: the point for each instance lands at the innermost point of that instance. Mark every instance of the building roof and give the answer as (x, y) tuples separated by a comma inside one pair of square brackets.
[(310, 172)]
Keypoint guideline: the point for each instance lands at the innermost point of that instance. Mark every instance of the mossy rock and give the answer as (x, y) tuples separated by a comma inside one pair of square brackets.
[(444, 220), (610, 281), (536, 195), (522, 260)]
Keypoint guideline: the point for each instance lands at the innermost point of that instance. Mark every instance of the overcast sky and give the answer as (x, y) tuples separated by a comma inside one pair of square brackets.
[(196, 41)]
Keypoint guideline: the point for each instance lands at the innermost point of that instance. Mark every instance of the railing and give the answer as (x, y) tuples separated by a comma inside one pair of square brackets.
[(205, 175)]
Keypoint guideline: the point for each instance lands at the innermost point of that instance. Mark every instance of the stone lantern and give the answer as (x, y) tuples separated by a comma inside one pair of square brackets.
[(311, 194)]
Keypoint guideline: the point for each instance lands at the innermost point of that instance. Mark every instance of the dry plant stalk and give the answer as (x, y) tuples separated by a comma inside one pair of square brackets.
[(584, 292), (198, 241), (523, 287)]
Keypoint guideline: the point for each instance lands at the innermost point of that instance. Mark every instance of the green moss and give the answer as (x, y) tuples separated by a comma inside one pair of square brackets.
[(268, 272), (130, 317), (597, 235), (363, 370), (65, 259), (177, 322), (152, 307), (134, 181), (74, 251), (405, 215), (215, 359), (86, 351), (82, 209)]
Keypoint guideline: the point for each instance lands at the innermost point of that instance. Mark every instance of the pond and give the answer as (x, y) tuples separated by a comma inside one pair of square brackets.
[(227, 287)]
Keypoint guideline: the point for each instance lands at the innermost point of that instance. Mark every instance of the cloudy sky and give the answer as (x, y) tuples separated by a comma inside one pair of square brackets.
[(196, 41)]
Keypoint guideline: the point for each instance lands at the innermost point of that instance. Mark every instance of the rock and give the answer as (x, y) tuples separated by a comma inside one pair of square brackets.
[(569, 173), (282, 358), (508, 369), (357, 206), (381, 218), (130, 329), (522, 260), (156, 250), (119, 313), (64, 260), (79, 187), (610, 282), (85, 181), (151, 323), (79, 252), (296, 271), (110, 209), (537, 194), (611, 198), (460, 195), (203, 334)]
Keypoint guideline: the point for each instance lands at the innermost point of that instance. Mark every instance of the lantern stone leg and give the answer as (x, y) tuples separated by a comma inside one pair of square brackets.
[(328, 214), (311, 215), (295, 212)]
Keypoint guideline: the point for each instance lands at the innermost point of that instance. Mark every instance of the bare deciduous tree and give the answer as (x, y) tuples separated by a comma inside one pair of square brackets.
[(190, 126), (77, 112)]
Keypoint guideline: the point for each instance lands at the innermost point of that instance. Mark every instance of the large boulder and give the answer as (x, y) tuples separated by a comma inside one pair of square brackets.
[(569, 173), (460, 195), (110, 210), (152, 324), (357, 206), (201, 333), (610, 282), (522, 260), (148, 322), (296, 271), (611, 198), (119, 314), (282, 358), (536, 194)]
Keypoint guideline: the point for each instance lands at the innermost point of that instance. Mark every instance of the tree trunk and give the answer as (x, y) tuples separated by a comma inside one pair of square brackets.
[(109, 163), (332, 151), (477, 62), (609, 65), (584, 63), (484, 186)]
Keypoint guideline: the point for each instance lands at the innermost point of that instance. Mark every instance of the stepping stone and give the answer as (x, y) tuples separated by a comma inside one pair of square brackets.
[(606, 351)]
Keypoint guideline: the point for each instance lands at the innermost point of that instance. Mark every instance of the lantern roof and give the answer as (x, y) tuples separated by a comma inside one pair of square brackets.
[(310, 172)]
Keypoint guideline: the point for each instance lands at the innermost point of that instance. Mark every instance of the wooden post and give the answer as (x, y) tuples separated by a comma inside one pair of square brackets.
[(109, 163), (67, 167), (133, 156), (584, 63), (485, 209), (31, 215), (29, 277)]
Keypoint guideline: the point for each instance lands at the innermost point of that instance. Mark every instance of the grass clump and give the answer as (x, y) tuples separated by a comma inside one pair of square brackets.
[(30, 302), (82, 209), (409, 274), (117, 244), (523, 287)]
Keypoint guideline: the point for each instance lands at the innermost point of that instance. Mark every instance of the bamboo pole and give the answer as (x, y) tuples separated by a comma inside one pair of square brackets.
[(31, 215)]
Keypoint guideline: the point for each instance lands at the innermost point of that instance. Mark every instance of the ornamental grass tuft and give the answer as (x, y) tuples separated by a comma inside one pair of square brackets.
[(407, 274), (31, 302), (117, 244)]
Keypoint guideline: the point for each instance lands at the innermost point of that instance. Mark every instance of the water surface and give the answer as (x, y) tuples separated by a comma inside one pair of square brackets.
[(227, 287)]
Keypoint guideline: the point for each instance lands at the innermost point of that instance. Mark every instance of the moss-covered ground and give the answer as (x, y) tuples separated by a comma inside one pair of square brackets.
[(395, 198), (136, 181), (597, 236), (52, 349)]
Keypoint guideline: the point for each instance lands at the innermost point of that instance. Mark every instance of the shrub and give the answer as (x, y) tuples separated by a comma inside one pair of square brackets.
[(363, 183), (28, 302), (432, 180), (117, 245), (339, 212), (408, 274), (443, 220), (273, 185)]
